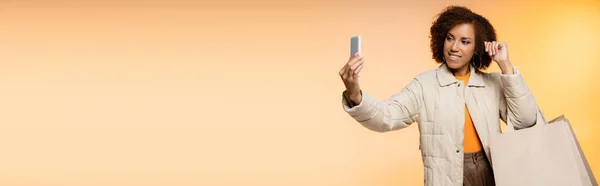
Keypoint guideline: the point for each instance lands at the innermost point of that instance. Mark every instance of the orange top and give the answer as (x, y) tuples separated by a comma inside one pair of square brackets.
[(471, 142)]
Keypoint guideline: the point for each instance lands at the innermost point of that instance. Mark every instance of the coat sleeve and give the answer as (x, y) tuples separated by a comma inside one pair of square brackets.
[(396, 112), (517, 101)]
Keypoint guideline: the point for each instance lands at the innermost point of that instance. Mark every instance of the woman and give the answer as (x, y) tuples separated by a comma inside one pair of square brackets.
[(456, 105)]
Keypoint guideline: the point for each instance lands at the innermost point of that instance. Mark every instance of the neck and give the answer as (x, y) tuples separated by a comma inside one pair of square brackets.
[(464, 70)]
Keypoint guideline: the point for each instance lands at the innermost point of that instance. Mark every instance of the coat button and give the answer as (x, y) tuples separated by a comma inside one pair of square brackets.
[(457, 151)]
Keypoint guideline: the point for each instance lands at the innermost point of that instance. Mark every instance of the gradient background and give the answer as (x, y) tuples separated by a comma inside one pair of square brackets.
[(232, 92)]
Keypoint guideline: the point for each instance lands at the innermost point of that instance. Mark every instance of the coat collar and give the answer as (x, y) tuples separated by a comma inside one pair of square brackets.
[(445, 77)]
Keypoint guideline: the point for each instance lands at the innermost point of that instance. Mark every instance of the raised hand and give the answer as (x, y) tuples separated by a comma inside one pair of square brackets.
[(349, 75), (498, 51)]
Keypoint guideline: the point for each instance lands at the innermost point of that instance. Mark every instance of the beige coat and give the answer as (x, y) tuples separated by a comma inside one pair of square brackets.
[(436, 101)]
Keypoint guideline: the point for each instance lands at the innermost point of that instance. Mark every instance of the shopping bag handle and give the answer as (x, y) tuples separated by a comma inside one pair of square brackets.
[(540, 119)]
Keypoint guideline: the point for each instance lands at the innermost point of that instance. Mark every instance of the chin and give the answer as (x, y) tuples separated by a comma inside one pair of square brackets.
[(455, 65)]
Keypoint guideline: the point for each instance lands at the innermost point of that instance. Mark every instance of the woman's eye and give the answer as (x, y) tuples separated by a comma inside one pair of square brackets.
[(449, 38), (465, 42)]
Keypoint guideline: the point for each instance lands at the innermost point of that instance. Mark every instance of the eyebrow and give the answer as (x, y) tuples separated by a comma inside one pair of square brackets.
[(461, 37)]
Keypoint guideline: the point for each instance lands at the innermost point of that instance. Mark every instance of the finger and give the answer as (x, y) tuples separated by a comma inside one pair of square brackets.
[(485, 43), (356, 55), (487, 49), (352, 56), (348, 73), (495, 47), (352, 66), (359, 68), (491, 48), (355, 65), (352, 69), (354, 60), (501, 46), (357, 72), (343, 70)]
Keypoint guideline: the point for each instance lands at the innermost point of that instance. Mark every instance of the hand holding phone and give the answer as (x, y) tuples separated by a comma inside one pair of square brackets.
[(351, 71)]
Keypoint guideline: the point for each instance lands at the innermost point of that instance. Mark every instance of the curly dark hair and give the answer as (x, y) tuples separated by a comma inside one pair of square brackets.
[(455, 15)]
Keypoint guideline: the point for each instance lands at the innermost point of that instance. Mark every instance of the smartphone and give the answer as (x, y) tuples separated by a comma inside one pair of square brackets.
[(354, 45)]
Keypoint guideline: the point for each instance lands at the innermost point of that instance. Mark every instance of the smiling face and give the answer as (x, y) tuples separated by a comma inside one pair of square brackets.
[(459, 47)]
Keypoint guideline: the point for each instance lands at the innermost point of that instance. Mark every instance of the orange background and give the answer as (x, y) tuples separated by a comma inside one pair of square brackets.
[(232, 92)]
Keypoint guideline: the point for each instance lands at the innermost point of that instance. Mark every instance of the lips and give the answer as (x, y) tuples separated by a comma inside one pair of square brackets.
[(454, 56)]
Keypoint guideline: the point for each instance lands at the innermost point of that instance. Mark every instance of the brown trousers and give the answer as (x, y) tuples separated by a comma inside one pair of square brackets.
[(477, 170)]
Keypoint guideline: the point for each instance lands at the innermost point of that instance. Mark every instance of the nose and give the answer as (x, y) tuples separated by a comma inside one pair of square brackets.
[(454, 47)]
